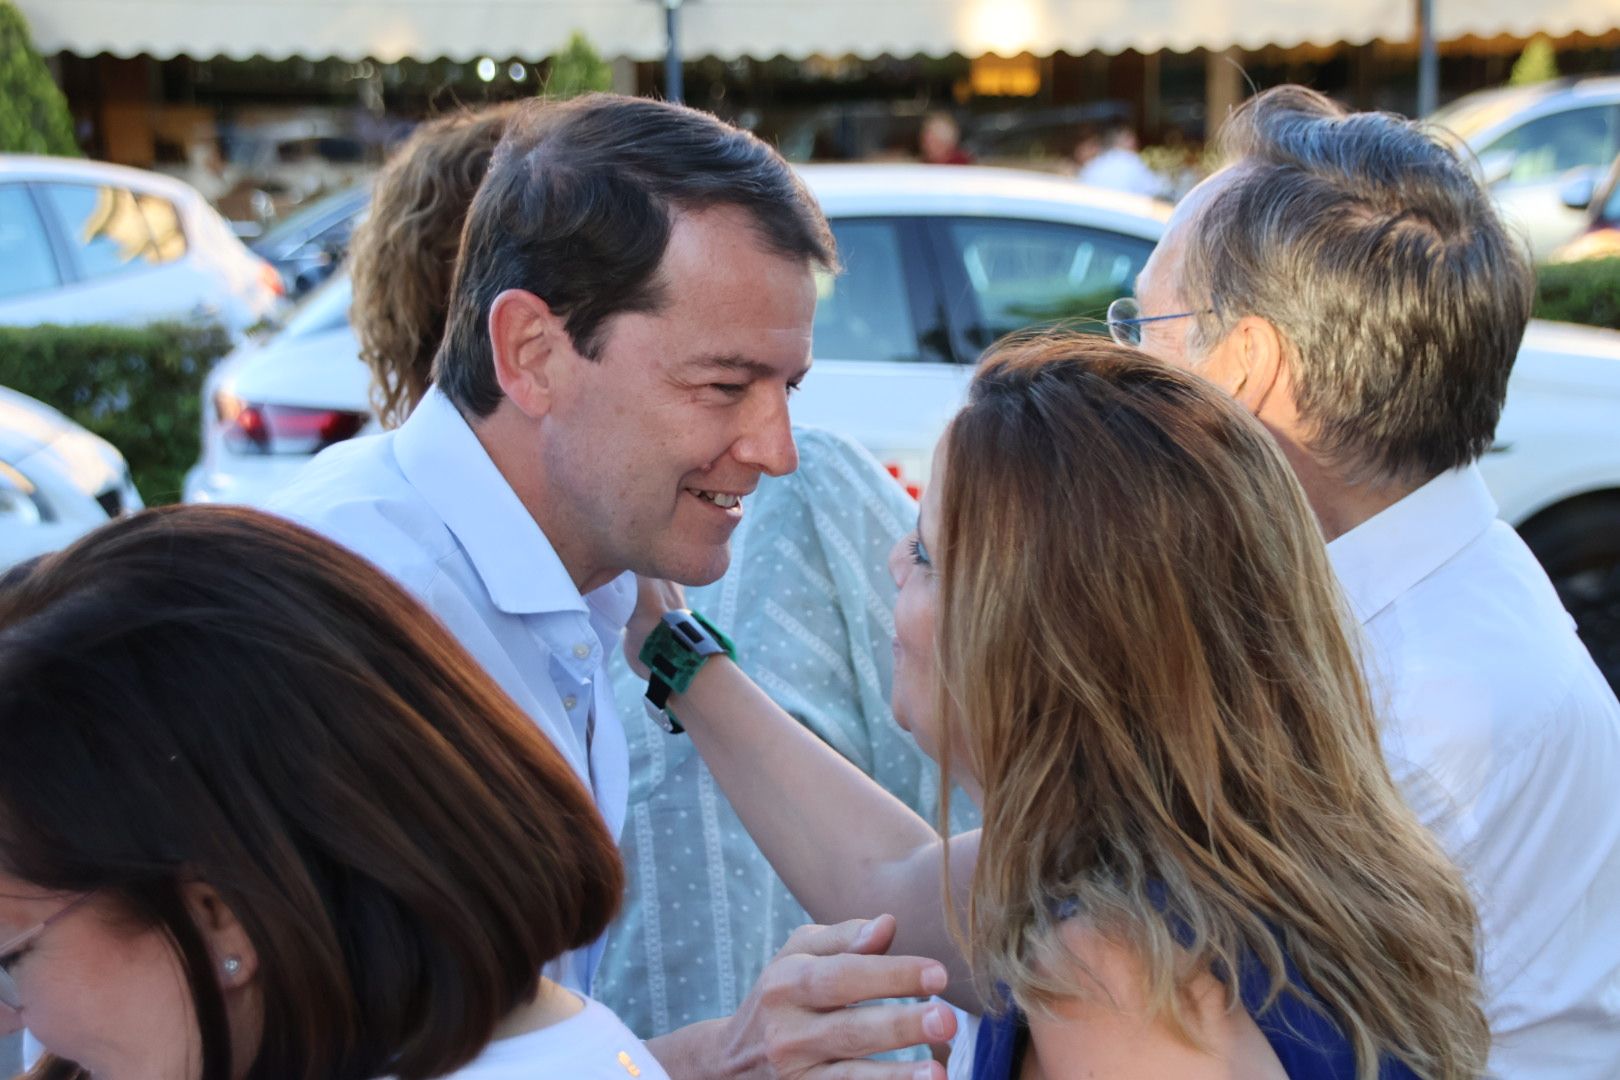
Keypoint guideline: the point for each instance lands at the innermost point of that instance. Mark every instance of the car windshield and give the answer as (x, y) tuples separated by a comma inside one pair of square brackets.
[(1471, 116), (294, 227), (327, 308)]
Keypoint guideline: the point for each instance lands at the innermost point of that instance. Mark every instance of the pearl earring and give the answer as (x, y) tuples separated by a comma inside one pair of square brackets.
[(232, 965)]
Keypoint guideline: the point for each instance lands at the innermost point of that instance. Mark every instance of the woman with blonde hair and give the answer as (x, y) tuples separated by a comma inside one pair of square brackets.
[(1118, 630)]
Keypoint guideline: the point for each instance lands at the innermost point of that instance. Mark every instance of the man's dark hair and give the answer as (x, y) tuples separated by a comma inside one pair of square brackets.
[(577, 209), (1377, 254)]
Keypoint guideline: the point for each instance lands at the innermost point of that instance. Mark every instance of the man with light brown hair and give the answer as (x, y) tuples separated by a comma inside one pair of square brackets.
[(1348, 279)]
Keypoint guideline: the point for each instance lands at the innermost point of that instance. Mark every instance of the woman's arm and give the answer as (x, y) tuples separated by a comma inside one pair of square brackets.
[(845, 847)]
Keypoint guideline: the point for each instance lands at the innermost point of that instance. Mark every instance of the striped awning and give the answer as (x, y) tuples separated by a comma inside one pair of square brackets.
[(389, 30)]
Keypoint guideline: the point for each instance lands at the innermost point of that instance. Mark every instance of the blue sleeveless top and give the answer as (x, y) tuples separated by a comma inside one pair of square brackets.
[(1309, 1045)]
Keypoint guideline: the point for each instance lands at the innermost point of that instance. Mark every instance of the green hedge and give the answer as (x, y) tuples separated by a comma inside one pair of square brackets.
[(1580, 292), (137, 387)]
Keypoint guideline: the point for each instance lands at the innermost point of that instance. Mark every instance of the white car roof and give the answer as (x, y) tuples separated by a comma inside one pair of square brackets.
[(42, 167), (917, 190)]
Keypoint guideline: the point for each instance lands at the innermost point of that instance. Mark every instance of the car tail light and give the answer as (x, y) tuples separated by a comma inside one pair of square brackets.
[(270, 278), (282, 429)]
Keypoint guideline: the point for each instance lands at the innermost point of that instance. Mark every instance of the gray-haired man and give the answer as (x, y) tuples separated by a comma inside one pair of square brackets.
[(1348, 279)]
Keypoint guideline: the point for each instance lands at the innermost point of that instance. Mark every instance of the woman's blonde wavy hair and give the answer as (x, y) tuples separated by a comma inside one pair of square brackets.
[(403, 255), (1143, 651)]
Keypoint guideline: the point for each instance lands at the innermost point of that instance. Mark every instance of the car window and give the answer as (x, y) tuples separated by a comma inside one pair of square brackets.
[(327, 308), (105, 225), (865, 312), (1027, 273), (1548, 146), (26, 263), (163, 222)]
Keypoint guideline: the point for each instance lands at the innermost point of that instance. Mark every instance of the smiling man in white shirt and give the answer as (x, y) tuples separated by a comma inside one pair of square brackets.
[(632, 307), (1348, 279)]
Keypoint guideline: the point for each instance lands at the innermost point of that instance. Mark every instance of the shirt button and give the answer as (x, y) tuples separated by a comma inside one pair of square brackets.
[(569, 702), (582, 650)]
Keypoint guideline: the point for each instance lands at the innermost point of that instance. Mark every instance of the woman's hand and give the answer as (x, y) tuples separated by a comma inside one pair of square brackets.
[(654, 597)]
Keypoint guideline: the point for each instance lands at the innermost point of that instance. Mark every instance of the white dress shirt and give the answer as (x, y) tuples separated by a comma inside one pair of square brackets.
[(426, 504), (1120, 169), (1506, 741), (591, 1045)]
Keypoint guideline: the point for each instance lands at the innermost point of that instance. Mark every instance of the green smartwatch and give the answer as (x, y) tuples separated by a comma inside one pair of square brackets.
[(674, 652)]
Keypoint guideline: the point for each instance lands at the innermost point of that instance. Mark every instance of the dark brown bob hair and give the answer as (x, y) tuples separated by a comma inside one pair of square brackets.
[(209, 693)]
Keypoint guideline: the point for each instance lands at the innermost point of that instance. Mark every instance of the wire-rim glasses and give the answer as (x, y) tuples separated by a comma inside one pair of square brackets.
[(1125, 321), (9, 995)]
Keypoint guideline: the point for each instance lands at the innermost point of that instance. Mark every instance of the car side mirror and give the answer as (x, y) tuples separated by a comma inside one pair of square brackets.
[(1497, 165), (1578, 188)]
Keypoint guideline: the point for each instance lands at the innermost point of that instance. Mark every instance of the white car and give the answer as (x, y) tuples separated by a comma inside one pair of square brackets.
[(57, 480), (939, 263), (84, 241), (1542, 148)]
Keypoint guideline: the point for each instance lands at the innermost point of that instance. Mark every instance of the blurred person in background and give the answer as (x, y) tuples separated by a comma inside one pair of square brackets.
[(807, 596), (1194, 862), (1118, 166), (631, 307), (1086, 148), (323, 845), (939, 141), (1350, 281)]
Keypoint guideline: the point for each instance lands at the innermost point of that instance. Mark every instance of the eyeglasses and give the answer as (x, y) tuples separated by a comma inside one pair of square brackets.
[(1125, 321), (9, 996)]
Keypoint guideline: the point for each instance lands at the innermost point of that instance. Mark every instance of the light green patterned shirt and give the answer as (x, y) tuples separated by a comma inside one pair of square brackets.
[(809, 602)]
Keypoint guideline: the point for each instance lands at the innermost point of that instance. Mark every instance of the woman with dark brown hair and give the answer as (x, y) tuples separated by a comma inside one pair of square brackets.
[(261, 818)]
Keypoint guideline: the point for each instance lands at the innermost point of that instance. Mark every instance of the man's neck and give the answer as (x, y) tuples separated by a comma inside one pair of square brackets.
[(1340, 505), (508, 439)]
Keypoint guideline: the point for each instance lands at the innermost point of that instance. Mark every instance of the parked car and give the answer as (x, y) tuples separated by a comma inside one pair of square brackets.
[(940, 263), (1534, 143), (57, 481), (84, 241), (308, 245), (1601, 202)]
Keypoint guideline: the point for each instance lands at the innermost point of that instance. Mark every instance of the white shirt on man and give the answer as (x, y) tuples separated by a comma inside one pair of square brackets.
[(426, 504), (1505, 739)]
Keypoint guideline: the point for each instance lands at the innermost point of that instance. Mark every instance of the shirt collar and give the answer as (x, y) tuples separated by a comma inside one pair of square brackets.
[(1392, 551), (443, 459)]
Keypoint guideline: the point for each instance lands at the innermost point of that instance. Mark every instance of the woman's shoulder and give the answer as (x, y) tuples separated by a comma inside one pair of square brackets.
[(593, 1044), (1111, 1023)]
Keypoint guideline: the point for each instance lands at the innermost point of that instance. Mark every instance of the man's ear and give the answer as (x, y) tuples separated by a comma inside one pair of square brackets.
[(529, 343), (1257, 360), (235, 959)]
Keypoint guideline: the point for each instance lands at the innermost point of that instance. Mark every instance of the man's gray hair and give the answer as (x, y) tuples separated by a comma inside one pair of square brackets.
[(1381, 260)]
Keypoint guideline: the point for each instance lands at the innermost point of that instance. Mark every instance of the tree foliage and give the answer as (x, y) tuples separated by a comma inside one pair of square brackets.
[(578, 69), (1580, 292), (1537, 64), (138, 387), (34, 117)]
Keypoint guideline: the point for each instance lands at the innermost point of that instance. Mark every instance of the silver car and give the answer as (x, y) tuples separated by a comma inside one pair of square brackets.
[(1539, 147), (84, 241), (57, 480)]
